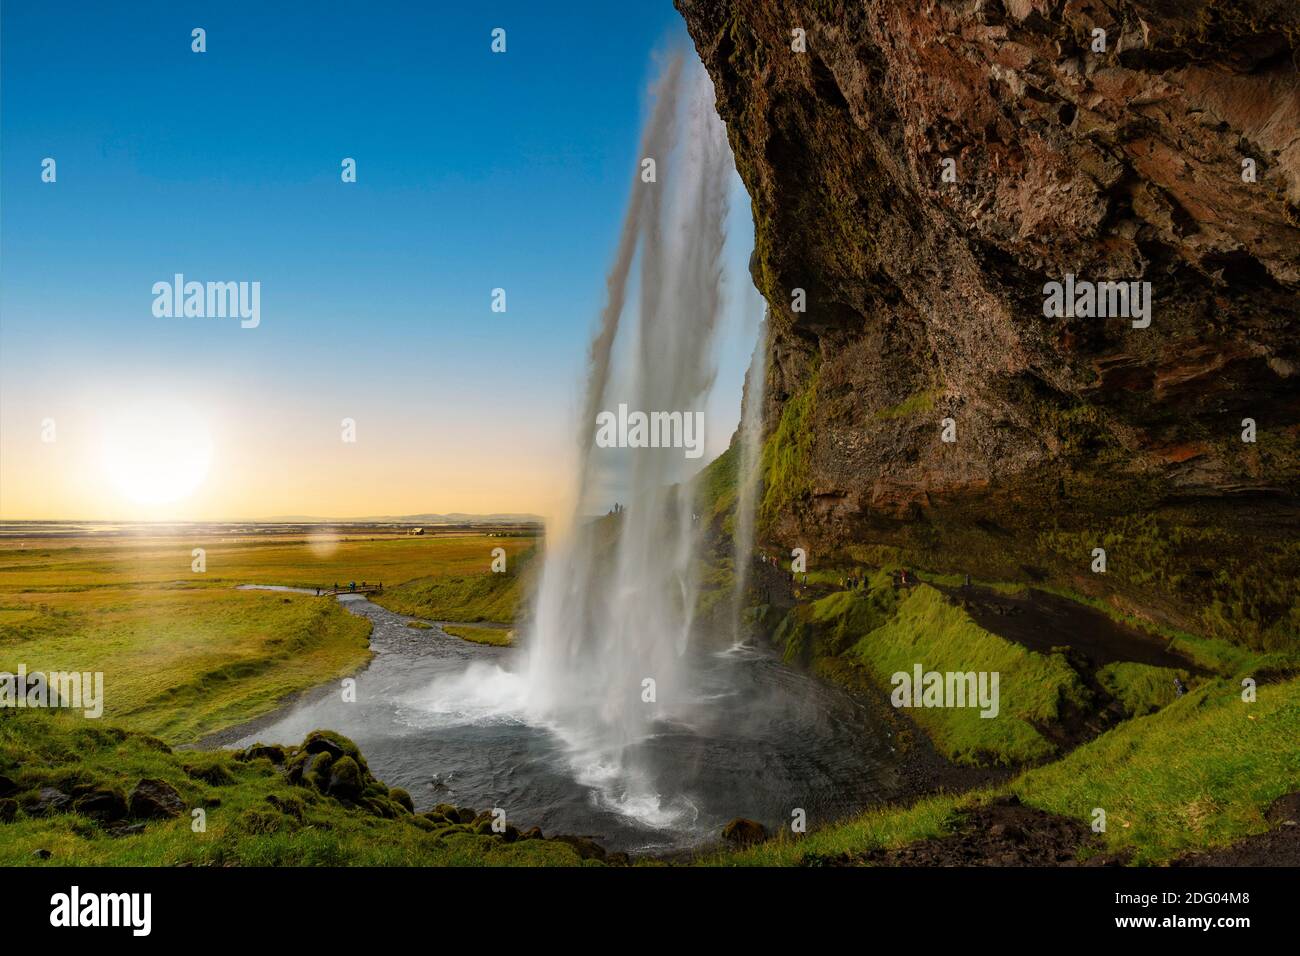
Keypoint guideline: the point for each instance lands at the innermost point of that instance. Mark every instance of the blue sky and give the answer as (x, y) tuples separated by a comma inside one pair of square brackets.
[(475, 170)]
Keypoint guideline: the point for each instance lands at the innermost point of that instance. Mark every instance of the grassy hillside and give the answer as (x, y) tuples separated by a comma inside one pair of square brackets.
[(474, 593), (877, 632), (1033, 687), (1197, 774)]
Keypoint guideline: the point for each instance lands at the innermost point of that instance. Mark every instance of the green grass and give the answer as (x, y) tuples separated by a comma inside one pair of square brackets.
[(886, 827), (717, 486), (1212, 653), (1197, 774), (1141, 688), (244, 826), (185, 653), (70, 564), (182, 662), (484, 596), (1251, 599), (930, 631), (496, 636)]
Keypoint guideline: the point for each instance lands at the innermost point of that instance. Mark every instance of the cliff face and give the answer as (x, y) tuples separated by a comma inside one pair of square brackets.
[(925, 297)]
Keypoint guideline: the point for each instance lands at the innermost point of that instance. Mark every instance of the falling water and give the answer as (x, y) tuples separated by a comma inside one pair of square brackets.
[(751, 447), (566, 734), (614, 610)]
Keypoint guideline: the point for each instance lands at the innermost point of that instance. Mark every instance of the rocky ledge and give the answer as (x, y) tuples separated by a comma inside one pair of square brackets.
[(920, 173)]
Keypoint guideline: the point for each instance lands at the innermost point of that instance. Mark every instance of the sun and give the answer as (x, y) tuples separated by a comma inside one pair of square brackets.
[(156, 453)]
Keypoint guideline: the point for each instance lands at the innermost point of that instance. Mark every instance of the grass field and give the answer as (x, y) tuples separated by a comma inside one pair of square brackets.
[(184, 653)]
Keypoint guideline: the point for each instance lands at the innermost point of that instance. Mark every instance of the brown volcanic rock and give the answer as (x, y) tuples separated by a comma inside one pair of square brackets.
[(925, 298)]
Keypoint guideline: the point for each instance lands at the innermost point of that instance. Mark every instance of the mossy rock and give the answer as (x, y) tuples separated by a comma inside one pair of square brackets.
[(345, 779), (334, 744), (103, 803), (401, 797), (316, 770)]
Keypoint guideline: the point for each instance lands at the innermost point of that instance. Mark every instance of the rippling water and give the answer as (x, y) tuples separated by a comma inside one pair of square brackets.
[(446, 720)]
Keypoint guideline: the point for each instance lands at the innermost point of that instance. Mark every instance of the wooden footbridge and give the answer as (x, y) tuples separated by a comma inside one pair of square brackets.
[(361, 588)]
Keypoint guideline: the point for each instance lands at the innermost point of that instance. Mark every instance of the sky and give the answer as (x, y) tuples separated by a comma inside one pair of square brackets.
[(475, 171)]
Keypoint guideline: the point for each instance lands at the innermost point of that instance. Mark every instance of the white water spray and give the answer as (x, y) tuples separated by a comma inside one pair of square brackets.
[(751, 451), (614, 610)]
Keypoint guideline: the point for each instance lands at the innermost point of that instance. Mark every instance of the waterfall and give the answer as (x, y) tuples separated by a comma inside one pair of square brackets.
[(607, 647), (750, 437)]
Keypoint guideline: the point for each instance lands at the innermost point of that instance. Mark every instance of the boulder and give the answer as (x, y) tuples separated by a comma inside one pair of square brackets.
[(8, 810), (336, 745), (402, 798), (345, 779), (155, 800), (46, 801), (102, 803), (314, 770), (744, 832)]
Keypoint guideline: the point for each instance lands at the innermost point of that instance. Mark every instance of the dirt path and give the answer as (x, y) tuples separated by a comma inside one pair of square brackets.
[(1041, 621)]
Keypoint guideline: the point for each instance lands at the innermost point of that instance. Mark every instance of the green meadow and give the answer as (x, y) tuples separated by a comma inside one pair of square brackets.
[(185, 653)]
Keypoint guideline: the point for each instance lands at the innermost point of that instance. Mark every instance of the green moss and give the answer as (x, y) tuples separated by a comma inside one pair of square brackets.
[(717, 486), (918, 403), (785, 459), (1251, 598)]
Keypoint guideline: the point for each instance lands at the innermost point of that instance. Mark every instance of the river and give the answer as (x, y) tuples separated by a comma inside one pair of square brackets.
[(442, 718)]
